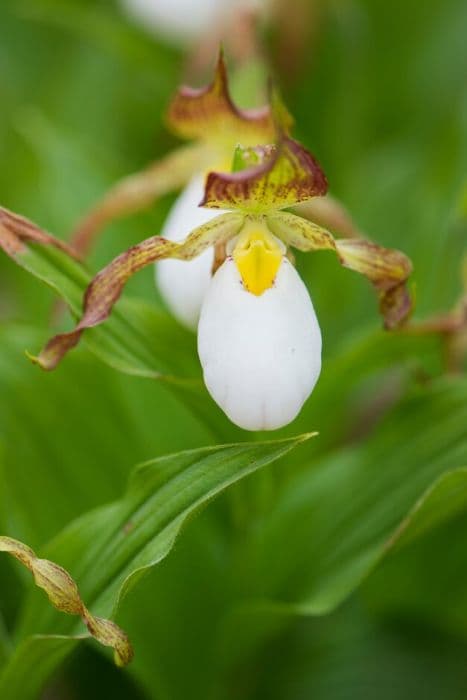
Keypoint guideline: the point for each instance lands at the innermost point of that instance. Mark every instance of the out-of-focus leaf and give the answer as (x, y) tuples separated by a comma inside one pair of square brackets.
[(109, 549), (425, 580), (350, 654), (138, 191), (322, 538), (5, 642), (335, 522), (32, 663), (120, 419)]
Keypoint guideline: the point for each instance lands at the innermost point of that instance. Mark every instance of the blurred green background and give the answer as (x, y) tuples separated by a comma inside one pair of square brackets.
[(380, 96)]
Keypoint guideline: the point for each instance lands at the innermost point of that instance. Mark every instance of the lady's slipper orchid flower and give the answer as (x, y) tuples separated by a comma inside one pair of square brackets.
[(259, 340), (208, 117), (213, 123)]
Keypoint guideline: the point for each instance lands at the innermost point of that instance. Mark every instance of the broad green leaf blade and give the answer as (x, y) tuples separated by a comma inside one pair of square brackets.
[(121, 420), (108, 549), (335, 522), (247, 626)]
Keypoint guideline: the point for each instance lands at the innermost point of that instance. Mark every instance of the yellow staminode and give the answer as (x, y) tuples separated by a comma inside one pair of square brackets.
[(257, 255)]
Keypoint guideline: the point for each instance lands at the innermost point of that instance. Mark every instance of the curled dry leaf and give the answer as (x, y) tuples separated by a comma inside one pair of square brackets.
[(388, 270), (63, 593), (107, 286)]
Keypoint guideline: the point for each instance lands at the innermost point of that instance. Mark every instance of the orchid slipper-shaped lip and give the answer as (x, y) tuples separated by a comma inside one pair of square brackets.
[(259, 341)]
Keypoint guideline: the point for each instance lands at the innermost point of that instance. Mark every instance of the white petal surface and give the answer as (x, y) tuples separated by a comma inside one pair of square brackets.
[(261, 355), (177, 19), (184, 284)]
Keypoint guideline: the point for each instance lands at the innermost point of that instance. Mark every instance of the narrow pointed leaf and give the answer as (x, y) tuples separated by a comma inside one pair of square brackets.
[(110, 548)]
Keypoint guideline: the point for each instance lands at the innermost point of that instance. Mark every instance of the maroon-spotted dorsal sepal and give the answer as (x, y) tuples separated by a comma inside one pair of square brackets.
[(275, 176)]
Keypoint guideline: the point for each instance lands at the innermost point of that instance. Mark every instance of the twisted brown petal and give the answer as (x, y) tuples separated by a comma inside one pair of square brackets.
[(388, 270), (107, 286), (63, 593)]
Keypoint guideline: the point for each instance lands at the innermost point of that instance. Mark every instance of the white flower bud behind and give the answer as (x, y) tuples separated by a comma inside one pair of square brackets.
[(178, 19), (184, 284), (261, 355)]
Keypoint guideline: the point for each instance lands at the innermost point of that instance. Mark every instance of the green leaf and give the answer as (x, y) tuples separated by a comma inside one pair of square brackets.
[(31, 664), (109, 549), (334, 523), (137, 339), (120, 419), (296, 545)]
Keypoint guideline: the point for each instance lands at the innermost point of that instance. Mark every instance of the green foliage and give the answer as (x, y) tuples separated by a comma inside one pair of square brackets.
[(338, 571)]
